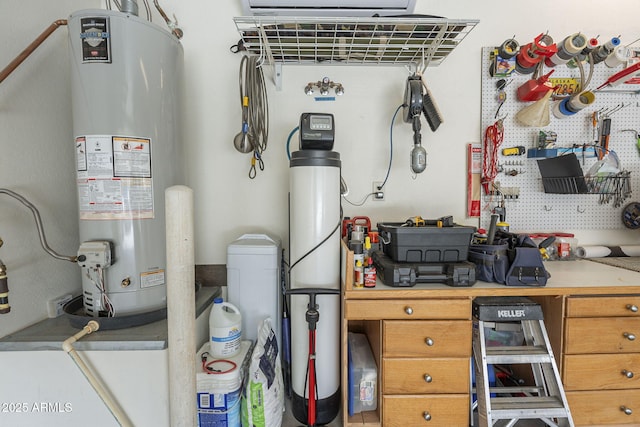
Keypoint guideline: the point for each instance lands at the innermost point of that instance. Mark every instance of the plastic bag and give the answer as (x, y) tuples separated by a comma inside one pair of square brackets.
[(263, 392)]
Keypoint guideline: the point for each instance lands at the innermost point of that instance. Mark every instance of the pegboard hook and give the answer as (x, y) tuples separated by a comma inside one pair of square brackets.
[(581, 210), (547, 208)]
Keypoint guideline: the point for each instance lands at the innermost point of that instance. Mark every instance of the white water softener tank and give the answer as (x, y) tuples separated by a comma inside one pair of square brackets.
[(125, 80), (314, 215), (253, 282)]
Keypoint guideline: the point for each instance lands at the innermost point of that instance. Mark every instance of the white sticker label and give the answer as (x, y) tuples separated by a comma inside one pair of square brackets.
[(114, 177), (151, 278)]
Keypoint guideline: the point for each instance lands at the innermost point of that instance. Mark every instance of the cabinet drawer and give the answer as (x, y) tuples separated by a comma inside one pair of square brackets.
[(408, 309), (601, 371), (599, 306), (439, 410), (590, 408), (602, 335), (417, 376), (427, 338)]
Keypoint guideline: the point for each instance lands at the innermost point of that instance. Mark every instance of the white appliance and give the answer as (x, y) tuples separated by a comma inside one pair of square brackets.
[(329, 7), (253, 282), (48, 389), (314, 263), (125, 82)]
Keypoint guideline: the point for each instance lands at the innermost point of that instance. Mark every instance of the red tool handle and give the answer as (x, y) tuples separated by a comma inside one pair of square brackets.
[(615, 79), (356, 220)]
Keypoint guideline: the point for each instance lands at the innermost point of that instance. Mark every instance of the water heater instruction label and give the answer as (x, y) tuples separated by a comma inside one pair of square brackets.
[(114, 177)]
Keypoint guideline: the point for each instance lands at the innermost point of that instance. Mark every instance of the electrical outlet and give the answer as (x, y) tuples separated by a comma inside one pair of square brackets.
[(378, 192)]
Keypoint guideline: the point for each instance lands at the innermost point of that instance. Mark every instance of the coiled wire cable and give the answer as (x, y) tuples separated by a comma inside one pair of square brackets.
[(253, 95)]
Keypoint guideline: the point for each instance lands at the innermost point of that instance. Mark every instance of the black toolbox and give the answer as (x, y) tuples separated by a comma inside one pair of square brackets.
[(406, 274), (404, 243)]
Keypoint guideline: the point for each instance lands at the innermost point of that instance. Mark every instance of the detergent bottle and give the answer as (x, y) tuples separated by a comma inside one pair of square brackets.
[(225, 329)]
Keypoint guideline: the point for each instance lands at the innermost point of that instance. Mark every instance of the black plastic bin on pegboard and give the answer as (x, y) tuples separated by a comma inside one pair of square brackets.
[(563, 175), (404, 243), (608, 184)]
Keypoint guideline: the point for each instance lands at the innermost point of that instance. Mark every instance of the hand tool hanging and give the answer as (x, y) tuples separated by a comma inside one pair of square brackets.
[(605, 133), (416, 102), (621, 76)]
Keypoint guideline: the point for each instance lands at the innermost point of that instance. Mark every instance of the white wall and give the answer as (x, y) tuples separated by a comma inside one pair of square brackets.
[(229, 203), (36, 136), (37, 159)]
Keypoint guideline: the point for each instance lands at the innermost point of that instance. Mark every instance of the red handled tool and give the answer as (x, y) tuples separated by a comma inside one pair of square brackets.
[(622, 76)]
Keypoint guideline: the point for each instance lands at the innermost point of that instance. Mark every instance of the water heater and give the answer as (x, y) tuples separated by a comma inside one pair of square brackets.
[(125, 80), (315, 218)]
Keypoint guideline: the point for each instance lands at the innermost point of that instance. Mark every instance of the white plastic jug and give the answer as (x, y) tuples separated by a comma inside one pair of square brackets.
[(225, 329)]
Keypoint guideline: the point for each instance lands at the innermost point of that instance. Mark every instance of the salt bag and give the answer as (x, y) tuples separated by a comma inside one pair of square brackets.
[(263, 392)]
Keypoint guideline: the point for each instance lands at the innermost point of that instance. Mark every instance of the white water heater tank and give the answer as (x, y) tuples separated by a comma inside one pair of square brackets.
[(126, 75)]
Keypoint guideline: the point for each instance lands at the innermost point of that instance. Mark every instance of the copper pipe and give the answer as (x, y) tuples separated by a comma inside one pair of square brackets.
[(29, 50)]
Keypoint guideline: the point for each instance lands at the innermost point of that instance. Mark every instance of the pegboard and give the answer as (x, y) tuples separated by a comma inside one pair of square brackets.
[(531, 209)]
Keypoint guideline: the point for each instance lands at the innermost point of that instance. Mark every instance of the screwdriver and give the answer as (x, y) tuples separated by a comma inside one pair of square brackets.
[(604, 138)]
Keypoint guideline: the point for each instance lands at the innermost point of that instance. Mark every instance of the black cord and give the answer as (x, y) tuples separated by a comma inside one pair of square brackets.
[(337, 227), (390, 146)]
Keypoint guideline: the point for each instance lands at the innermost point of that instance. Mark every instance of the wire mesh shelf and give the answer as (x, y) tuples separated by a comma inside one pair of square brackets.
[(349, 41)]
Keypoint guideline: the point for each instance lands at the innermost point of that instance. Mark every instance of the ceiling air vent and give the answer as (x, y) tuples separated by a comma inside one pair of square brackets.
[(329, 7)]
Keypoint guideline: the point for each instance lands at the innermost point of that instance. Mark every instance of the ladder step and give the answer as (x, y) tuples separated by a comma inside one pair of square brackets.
[(516, 389), (527, 407), (518, 354)]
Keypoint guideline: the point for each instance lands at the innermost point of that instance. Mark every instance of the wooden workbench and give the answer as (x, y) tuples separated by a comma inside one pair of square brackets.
[(588, 308)]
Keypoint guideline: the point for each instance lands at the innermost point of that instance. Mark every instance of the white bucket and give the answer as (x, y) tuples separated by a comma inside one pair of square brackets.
[(219, 395), (225, 329)]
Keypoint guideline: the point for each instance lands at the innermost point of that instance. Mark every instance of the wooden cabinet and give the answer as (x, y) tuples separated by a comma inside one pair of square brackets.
[(424, 349), (425, 368), (601, 359)]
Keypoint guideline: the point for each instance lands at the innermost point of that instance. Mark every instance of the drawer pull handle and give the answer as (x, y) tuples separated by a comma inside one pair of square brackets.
[(632, 307), (626, 410), (408, 310), (428, 378), (427, 416), (429, 341), (627, 374), (629, 336)]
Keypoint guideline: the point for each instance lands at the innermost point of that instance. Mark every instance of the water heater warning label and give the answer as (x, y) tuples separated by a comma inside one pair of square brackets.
[(114, 177)]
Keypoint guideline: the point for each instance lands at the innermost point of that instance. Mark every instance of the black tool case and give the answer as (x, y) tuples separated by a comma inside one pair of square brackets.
[(403, 243), (406, 274)]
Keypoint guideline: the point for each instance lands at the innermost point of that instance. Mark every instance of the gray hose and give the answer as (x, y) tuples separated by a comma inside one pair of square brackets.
[(36, 216)]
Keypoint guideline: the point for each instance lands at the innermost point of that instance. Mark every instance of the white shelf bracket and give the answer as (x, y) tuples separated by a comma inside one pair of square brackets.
[(277, 75)]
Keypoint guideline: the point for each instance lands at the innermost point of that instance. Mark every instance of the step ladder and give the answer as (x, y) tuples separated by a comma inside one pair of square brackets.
[(546, 400)]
